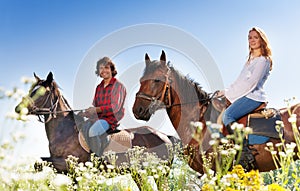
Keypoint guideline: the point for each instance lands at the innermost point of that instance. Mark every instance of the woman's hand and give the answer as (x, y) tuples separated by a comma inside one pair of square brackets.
[(220, 94)]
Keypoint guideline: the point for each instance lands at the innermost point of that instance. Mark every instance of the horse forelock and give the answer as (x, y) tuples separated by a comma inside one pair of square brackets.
[(152, 67)]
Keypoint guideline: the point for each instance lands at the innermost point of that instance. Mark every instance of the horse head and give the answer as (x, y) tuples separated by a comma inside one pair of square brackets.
[(42, 99), (154, 89)]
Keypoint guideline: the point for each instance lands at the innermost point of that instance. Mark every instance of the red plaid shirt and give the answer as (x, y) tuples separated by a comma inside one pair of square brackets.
[(111, 100)]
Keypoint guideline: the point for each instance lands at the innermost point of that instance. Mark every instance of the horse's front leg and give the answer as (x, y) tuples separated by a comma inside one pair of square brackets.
[(58, 163)]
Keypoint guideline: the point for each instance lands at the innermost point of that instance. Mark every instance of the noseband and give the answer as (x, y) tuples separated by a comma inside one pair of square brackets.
[(160, 101)]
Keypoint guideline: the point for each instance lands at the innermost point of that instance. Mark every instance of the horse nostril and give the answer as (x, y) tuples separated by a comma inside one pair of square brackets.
[(141, 110)]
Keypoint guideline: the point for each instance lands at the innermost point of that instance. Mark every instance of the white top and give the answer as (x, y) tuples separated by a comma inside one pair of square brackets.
[(250, 82)]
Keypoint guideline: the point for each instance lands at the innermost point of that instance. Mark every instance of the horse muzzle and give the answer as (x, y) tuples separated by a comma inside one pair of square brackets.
[(140, 112)]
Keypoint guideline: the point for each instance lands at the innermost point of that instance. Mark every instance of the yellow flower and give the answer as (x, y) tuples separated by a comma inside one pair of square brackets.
[(275, 187), (207, 187), (238, 170), (230, 189)]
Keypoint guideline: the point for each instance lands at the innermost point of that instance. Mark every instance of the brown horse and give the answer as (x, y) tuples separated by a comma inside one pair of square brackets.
[(62, 127), (161, 86)]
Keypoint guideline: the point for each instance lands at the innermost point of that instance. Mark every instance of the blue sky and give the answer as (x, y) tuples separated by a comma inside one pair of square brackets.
[(52, 35)]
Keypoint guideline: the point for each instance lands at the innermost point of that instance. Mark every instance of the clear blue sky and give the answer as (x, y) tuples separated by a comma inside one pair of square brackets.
[(52, 35)]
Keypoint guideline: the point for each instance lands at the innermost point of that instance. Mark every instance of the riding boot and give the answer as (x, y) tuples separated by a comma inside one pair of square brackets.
[(247, 159), (229, 130)]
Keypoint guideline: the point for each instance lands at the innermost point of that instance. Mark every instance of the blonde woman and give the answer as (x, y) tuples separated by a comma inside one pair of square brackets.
[(247, 92)]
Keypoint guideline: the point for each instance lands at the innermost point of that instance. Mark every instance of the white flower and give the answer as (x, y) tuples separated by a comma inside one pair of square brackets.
[(24, 111), (273, 152), (211, 172), (232, 151), (109, 166), (198, 124), (61, 180), (177, 172), (12, 115), (9, 93), (208, 123), (224, 152), (216, 126), (142, 172), (237, 147), (23, 117), (240, 127), (212, 142), (248, 130), (89, 164), (215, 135), (269, 144), (224, 141), (282, 154), (293, 118), (203, 177), (291, 146), (279, 144), (87, 176)]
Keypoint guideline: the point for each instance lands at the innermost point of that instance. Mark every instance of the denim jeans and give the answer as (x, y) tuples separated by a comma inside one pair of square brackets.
[(98, 128), (239, 108)]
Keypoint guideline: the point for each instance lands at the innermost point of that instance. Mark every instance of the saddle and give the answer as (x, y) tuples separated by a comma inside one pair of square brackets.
[(118, 141), (262, 120)]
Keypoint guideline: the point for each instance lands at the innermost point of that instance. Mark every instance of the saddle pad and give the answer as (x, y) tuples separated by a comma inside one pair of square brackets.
[(263, 126), (257, 139), (119, 142), (83, 142)]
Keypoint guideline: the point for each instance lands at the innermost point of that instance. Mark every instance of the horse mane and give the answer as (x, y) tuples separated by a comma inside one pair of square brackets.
[(188, 87), (191, 91), (56, 88)]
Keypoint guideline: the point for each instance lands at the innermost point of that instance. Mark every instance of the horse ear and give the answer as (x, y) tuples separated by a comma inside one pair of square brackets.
[(147, 59), (49, 78), (163, 56), (36, 77)]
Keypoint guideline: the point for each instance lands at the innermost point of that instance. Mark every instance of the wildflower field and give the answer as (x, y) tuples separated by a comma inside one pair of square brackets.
[(145, 169)]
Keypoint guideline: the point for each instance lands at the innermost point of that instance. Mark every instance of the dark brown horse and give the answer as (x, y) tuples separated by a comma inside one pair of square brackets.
[(61, 124), (161, 86)]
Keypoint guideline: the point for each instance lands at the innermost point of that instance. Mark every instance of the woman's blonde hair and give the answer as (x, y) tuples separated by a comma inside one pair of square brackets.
[(265, 45)]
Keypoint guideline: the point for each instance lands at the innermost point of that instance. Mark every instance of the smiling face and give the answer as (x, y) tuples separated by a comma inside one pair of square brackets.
[(105, 71), (254, 40)]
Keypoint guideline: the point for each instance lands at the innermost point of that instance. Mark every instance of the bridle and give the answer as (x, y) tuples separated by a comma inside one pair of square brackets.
[(159, 102), (51, 111), (164, 99)]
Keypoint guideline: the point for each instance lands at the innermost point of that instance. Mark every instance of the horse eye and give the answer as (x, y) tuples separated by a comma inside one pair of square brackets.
[(156, 80)]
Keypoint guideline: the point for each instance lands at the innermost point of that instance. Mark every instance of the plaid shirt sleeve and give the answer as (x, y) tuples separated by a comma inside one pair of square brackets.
[(117, 99)]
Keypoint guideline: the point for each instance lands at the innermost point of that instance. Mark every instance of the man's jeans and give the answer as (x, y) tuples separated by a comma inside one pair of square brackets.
[(98, 128), (239, 108)]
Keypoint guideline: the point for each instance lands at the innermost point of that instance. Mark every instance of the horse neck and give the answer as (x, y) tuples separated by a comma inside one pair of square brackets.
[(62, 119), (183, 110)]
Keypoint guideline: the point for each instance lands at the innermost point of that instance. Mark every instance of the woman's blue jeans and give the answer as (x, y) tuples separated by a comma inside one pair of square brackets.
[(239, 108)]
